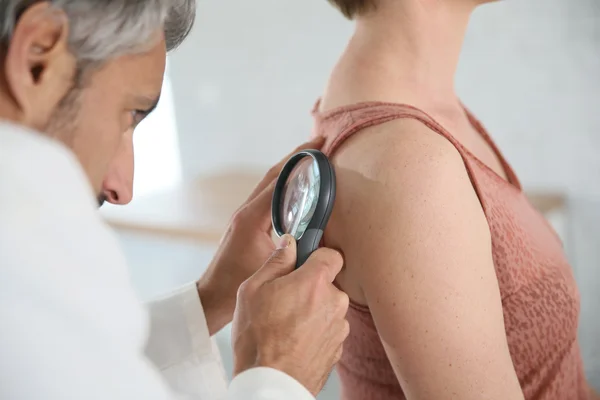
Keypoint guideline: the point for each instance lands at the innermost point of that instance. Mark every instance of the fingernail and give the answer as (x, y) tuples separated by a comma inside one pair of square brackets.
[(284, 242)]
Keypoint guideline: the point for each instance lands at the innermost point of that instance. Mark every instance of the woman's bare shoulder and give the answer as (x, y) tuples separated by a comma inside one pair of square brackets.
[(398, 168), (418, 253)]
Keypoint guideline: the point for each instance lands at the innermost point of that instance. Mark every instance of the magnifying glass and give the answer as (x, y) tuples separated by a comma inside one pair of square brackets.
[(303, 200)]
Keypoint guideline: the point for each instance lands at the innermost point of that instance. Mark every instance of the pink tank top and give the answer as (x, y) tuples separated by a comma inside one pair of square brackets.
[(540, 299)]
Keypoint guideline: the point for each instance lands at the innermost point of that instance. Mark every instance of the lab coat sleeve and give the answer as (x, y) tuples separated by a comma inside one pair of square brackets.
[(71, 324), (181, 347), (267, 384)]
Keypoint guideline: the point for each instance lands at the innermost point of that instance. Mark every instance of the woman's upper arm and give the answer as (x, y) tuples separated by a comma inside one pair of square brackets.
[(417, 243)]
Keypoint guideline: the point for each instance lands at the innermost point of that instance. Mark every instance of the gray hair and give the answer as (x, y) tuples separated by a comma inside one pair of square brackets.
[(104, 29)]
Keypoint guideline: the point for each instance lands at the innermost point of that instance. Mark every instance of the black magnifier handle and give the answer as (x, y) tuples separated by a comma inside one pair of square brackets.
[(307, 245)]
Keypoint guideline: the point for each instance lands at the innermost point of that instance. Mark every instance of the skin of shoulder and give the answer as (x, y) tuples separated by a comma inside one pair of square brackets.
[(418, 253)]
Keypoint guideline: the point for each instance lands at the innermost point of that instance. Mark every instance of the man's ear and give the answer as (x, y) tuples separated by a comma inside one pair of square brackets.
[(40, 69)]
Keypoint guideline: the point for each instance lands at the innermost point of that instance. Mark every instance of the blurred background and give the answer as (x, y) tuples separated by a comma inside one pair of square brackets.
[(238, 96)]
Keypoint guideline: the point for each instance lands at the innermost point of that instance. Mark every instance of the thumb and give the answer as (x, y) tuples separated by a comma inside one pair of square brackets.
[(280, 264)]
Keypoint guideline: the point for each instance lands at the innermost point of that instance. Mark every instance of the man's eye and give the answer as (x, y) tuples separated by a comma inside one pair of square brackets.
[(137, 116)]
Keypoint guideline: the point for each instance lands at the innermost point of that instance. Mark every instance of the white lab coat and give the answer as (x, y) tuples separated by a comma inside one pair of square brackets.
[(70, 324)]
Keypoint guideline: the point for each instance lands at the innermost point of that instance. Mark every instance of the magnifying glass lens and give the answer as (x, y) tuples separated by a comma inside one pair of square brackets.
[(300, 196)]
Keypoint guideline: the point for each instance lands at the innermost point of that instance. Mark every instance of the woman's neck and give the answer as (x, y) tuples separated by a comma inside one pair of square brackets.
[(405, 51)]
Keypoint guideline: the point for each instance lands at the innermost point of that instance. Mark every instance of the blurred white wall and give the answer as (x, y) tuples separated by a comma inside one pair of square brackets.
[(246, 80), (156, 144)]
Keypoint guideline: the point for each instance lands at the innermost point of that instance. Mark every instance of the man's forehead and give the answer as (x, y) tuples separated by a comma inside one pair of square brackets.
[(142, 80), (138, 78), (145, 68)]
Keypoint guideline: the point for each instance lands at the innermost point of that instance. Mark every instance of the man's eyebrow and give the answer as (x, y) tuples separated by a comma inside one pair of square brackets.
[(148, 103)]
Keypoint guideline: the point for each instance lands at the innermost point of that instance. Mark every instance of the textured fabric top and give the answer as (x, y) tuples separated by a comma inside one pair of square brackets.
[(540, 299)]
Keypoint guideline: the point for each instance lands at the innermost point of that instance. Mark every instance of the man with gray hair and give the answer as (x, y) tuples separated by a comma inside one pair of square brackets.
[(76, 78)]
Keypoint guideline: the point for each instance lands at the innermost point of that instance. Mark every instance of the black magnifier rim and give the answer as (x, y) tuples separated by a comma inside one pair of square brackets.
[(326, 198)]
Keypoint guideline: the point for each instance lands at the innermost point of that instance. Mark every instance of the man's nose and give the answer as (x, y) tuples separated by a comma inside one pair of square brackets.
[(118, 189)]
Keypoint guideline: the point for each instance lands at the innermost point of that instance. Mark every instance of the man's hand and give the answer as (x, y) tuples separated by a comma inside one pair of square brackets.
[(243, 250), (292, 321)]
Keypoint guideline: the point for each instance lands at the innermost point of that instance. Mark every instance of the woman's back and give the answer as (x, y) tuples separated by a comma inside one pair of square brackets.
[(539, 298)]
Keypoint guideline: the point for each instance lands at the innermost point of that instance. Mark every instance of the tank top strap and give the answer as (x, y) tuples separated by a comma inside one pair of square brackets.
[(339, 124)]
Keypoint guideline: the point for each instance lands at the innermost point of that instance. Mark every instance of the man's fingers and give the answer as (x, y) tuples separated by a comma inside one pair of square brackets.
[(281, 263), (324, 261), (259, 209), (258, 206), (274, 172)]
